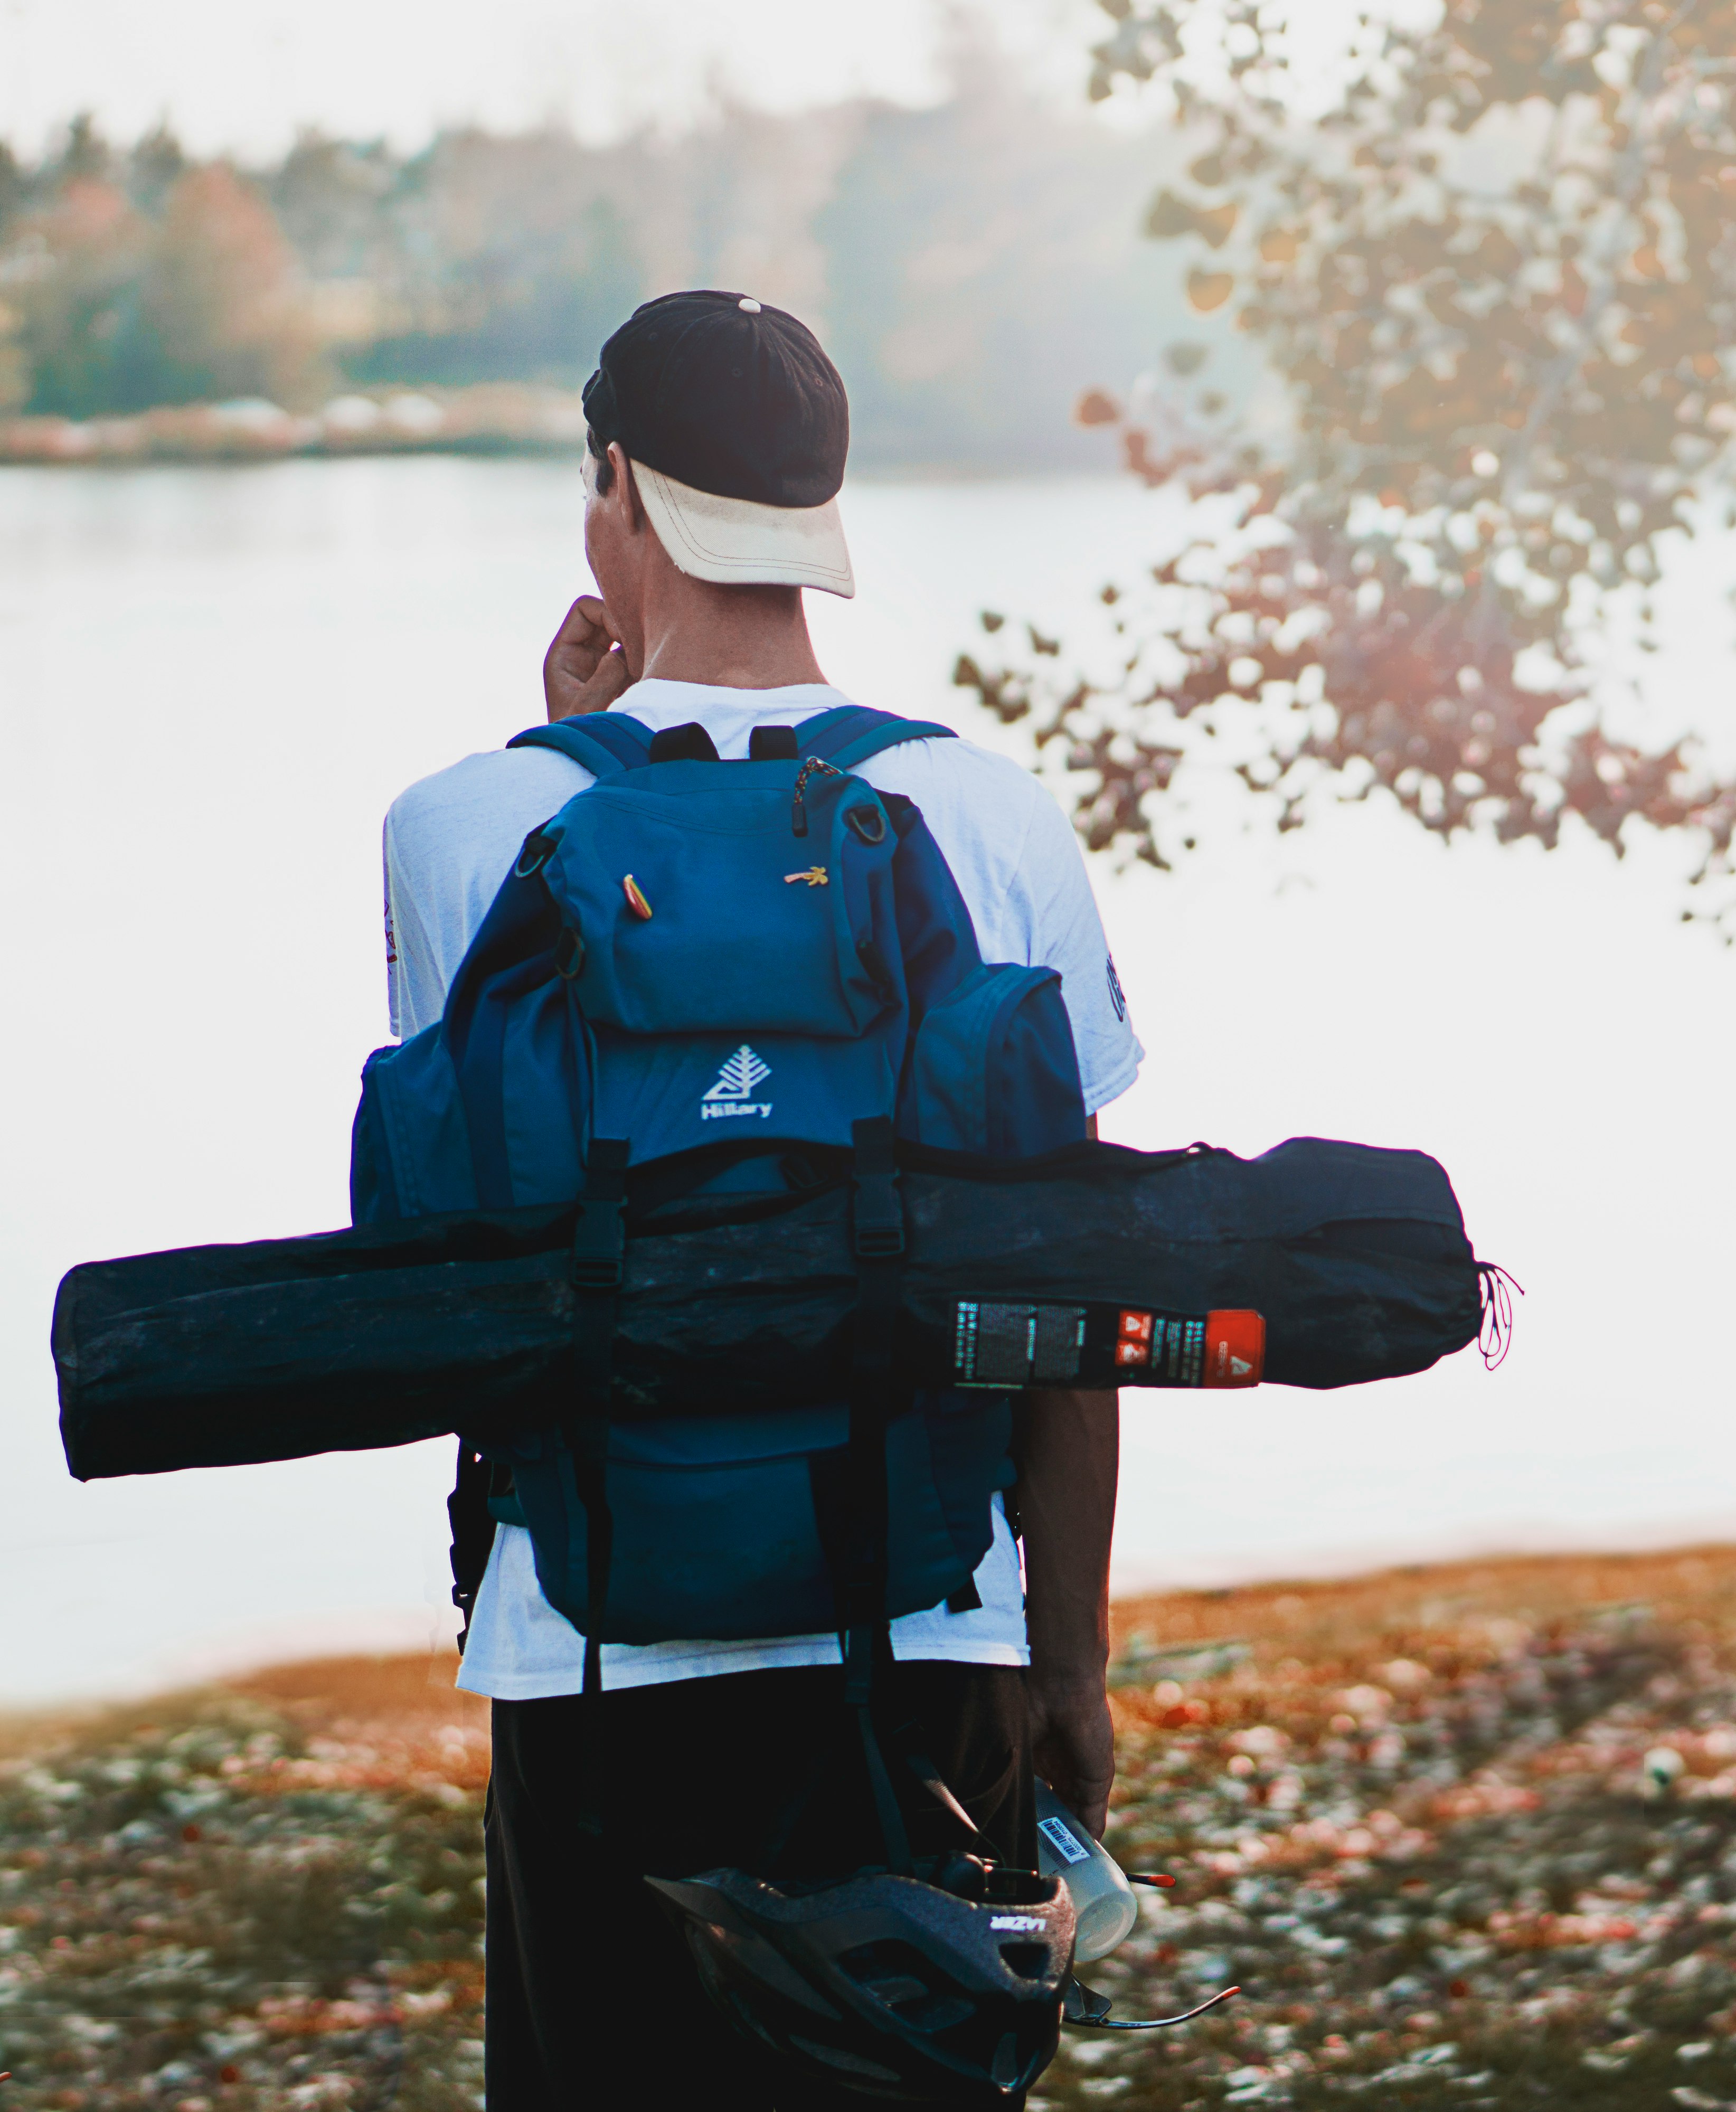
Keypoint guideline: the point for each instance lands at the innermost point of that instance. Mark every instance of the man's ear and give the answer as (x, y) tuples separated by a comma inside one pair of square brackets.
[(626, 487)]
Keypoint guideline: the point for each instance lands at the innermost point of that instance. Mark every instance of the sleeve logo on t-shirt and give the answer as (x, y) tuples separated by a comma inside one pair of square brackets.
[(1118, 995)]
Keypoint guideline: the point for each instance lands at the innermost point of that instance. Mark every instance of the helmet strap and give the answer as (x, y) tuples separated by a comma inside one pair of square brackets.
[(862, 1646), (931, 1779)]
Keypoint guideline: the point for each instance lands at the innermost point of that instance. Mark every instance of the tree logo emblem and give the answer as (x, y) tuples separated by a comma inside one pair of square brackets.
[(733, 1093)]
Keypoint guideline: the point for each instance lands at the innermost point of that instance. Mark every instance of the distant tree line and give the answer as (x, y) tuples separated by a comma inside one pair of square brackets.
[(960, 261)]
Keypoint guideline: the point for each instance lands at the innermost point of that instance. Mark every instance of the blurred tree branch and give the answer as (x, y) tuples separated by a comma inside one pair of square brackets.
[(1491, 265)]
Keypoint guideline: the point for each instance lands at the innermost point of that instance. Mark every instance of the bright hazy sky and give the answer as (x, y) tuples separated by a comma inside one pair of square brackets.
[(242, 75)]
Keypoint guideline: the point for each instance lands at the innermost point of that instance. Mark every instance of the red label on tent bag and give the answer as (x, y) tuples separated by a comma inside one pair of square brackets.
[(1235, 1349)]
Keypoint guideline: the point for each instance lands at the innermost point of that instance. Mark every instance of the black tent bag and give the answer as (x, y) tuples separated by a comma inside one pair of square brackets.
[(386, 1334)]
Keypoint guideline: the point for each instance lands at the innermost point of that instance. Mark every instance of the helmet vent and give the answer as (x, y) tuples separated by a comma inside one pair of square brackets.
[(852, 2063), (880, 1964), (1030, 1961), (921, 1997), (900, 1988)]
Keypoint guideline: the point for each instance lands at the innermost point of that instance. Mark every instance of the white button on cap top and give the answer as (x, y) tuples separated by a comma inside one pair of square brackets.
[(748, 307)]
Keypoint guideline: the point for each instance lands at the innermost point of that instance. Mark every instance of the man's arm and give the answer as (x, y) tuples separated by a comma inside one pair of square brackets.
[(1067, 1508)]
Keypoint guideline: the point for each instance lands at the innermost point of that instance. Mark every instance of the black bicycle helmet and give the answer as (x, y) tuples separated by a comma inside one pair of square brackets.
[(900, 1987)]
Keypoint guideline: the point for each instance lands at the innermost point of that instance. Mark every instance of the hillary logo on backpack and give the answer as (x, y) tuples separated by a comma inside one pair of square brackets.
[(581, 1036), (733, 1093)]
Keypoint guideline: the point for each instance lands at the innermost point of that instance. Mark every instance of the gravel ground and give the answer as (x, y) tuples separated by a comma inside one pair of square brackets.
[(1466, 1837)]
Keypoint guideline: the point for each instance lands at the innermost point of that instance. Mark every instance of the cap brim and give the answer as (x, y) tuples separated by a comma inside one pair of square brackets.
[(735, 542)]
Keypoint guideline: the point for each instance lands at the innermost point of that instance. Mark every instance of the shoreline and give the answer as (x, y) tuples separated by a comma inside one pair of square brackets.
[(489, 418), (1144, 1623), (484, 420)]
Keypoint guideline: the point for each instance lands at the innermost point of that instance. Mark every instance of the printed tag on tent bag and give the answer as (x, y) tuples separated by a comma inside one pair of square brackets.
[(1101, 1345)]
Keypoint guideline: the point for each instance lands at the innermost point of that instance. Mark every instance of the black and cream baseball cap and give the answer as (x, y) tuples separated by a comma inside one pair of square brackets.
[(737, 427)]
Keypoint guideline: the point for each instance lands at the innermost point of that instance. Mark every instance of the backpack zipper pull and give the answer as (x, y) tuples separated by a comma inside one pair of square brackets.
[(798, 806)]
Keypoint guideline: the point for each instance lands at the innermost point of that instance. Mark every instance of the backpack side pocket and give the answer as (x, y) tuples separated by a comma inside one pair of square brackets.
[(994, 1069), (410, 1151), (373, 1187)]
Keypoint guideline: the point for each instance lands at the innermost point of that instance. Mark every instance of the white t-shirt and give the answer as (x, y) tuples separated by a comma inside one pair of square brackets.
[(450, 841)]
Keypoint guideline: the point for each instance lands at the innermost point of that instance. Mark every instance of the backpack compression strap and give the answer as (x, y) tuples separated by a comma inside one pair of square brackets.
[(603, 742), (599, 1243)]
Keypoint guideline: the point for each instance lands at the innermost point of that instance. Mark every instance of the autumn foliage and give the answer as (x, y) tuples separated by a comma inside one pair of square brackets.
[(1490, 269), (107, 308)]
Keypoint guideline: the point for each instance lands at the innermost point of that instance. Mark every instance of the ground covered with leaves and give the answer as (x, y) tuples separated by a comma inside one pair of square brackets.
[(1466, 1837), (265, 1897)]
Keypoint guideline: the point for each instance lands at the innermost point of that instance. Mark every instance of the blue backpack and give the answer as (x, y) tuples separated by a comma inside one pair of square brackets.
[(701, 981)]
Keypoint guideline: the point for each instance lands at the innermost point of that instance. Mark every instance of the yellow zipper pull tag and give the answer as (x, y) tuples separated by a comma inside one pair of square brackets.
[(815, 876)]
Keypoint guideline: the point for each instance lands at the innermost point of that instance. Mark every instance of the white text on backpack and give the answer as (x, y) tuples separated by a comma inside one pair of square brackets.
[(736, 1081)]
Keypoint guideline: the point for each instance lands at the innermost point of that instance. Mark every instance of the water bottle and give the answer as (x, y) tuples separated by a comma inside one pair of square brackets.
[(1103, 1900)]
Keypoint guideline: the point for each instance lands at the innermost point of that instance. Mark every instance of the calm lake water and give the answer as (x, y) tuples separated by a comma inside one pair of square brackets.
[(215, 681)]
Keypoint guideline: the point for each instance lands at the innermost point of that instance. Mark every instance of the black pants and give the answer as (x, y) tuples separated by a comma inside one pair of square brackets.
[(593, 2000)]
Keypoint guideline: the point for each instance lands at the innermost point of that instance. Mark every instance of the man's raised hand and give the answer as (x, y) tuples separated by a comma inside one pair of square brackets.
[(584, 669)]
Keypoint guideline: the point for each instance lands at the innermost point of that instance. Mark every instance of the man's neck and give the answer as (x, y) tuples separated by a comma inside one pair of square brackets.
[(728, 638)]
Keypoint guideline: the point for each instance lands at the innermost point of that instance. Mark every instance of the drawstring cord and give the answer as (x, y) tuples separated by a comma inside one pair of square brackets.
[(1495, 1331)]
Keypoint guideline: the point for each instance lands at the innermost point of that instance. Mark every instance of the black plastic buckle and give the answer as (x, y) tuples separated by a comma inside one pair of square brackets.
[(877, 1220), (599, 1241), (600, 1230), (878, 1238)]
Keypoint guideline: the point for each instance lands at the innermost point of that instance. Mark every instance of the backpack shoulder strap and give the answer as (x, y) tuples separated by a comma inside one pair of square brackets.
[(850, 734), (603, 742)]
